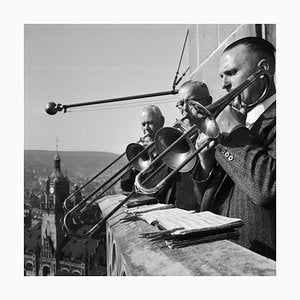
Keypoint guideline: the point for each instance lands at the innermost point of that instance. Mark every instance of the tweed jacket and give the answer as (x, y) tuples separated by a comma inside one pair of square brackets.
[(243, 183)]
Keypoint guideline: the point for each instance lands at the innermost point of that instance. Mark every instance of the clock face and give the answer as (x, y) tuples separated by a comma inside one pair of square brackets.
[(51, 190)]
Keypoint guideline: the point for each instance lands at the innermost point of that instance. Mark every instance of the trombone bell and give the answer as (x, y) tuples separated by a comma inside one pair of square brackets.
[(140, 163), (165, 137), (203, 119)]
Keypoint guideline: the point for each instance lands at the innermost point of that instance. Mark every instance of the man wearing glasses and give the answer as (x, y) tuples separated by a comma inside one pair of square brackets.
[(185, 195)]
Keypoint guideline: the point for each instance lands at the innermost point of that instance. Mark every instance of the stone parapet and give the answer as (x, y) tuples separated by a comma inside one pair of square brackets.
[(128, 254)]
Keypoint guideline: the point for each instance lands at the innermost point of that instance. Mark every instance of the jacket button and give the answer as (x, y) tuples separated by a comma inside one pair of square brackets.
[(227, 154), (230, 158)]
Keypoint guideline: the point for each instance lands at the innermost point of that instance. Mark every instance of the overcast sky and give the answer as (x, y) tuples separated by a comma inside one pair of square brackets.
[(80, 63)]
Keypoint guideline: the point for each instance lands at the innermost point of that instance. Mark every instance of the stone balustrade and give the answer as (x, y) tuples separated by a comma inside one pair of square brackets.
[(128, 254)]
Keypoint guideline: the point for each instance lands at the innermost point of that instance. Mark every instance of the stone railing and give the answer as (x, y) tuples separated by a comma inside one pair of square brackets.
[(130, 255)]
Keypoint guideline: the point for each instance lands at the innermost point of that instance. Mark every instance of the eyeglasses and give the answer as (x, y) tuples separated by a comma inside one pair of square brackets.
[(181, 103)]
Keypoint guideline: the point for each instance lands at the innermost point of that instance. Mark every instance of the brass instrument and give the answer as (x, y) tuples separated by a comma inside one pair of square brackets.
[(176, 148), (139, 158), (124, 169), (205, 117), (179, 153)]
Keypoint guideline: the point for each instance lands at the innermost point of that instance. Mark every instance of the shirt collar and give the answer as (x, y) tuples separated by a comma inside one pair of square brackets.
[(258, 110)]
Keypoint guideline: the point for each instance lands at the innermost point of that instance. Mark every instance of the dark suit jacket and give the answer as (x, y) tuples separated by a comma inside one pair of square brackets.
[(185, 194), (243, 183), (165, 195), (179, 191)]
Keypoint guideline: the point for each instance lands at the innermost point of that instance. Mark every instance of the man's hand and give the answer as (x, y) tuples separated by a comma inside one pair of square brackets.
[(232, 117), (147, 141), (207, 155)]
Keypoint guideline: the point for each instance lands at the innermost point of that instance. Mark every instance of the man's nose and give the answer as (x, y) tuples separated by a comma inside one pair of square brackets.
[(226, 84)]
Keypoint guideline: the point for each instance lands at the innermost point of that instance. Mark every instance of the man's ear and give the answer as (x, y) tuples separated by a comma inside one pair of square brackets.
[(264, 64), (162, 121)]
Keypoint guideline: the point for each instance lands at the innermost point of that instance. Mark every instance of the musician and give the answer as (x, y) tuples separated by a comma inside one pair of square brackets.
[(192, 90), (185, 195), (151, 120), (239, 179)]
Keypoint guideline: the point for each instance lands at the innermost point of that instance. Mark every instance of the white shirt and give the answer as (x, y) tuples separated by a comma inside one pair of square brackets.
[(258, 110)]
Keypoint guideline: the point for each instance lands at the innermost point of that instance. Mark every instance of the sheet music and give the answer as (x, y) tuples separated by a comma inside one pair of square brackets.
[(191, 222)]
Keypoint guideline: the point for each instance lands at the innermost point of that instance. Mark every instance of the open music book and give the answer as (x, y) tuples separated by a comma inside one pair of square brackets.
[(179, 228), (182, 222)]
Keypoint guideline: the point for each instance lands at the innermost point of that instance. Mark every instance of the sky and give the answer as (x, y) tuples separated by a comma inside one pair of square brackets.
[(80, 63)]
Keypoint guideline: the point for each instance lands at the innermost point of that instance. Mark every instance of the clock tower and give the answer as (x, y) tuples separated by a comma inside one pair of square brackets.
[(52, 235)]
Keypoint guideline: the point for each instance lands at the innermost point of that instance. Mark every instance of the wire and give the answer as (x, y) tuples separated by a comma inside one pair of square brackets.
[(124, 105), (118, 107), (133, 103), (140, 102), (175, 82)]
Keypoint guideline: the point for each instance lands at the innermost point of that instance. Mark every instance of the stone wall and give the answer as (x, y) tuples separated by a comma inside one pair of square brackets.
[(129, 254)]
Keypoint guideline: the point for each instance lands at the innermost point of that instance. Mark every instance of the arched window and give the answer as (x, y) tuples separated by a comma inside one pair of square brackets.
[(76, 273), (29, 267), (46, 271), (64, 270)]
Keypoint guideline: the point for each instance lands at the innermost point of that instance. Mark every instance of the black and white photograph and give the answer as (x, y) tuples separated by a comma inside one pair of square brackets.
[(140, 152), (172, 171)]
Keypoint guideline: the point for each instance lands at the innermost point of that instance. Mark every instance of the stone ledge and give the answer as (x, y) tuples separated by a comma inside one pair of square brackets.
[(129, 254)]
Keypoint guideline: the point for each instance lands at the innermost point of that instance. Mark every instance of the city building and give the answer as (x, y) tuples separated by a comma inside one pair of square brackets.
[(47, 249)]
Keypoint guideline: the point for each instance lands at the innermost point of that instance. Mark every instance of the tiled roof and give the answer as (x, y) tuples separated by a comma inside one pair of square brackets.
[(76, 249), (32, 238), (73, 249)]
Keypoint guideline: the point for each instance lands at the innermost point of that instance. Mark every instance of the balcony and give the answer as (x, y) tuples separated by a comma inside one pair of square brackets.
[(130, 255)]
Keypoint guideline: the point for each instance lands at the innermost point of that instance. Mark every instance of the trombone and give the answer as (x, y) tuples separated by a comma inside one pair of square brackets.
[(139, 158), (137, 150), (83, 205), (67, 221), (204, 119), (176, 148)]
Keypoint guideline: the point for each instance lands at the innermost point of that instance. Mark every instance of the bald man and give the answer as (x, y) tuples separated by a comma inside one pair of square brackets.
[(151, 121)]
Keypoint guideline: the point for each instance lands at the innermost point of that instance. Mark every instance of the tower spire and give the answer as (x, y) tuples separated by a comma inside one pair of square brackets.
[(57, 171), (56, 144)]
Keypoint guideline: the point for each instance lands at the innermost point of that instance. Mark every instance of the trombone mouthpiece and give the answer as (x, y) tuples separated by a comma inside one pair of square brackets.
[(52, 108)]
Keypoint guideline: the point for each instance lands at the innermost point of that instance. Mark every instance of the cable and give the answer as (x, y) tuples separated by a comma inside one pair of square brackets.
[(175, 82), (140, 102), (124, 105)]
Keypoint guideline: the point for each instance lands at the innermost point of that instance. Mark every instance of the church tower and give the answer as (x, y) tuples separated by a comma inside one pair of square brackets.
[(52, 235)]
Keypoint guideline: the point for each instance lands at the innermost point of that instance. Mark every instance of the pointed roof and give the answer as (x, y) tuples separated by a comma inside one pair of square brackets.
[(57, 173)]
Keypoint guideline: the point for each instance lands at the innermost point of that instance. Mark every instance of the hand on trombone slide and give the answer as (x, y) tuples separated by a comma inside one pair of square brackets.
[(232, 117)]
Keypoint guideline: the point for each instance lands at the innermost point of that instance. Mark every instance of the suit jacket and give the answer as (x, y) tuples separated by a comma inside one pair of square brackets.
[(185, 193), (243, 183), (165, 195)]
